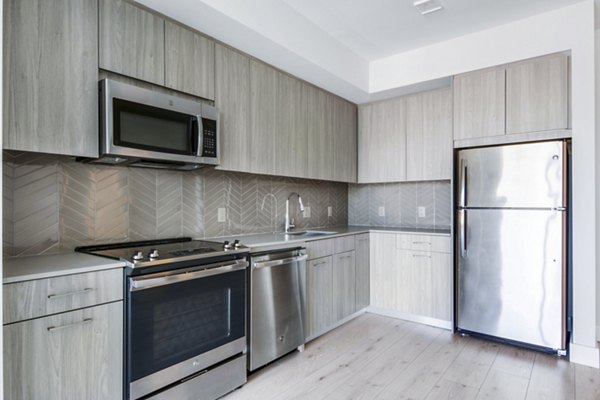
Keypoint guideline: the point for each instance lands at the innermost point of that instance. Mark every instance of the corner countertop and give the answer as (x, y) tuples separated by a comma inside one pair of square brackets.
[(19, 269), (261, 240)]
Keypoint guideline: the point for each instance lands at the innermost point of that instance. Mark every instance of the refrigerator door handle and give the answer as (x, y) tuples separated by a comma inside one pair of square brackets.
[(463, 184), (463, 232)]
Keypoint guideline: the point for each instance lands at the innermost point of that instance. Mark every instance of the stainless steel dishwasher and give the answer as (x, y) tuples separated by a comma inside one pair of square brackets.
[(277, 304)]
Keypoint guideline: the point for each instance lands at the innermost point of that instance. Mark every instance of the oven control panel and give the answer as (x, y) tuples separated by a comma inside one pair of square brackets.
[(209, 138)]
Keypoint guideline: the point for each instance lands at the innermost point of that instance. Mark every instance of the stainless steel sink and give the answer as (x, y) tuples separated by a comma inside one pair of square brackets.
[(310, 233)]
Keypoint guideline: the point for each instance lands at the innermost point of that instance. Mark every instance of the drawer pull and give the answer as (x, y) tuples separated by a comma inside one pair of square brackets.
[(344, 257), (57, 296), (320, 263), (57, 328), (429, 243), (421, 256)]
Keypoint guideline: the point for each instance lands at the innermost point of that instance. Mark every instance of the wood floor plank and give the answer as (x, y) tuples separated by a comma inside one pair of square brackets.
[(473, 363), (500, 385), (551, 379), (587, 383), (447, 390), (514, 361)]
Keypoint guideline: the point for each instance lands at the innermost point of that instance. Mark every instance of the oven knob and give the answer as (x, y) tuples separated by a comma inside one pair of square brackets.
[(227, 245), (236, 244), (153, 254), (137, 256)]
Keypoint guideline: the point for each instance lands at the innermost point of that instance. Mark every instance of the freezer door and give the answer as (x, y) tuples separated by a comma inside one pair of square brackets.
[(513, 176), (511, 275)]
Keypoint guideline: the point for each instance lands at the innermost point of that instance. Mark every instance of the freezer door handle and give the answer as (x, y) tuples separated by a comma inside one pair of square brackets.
[(462, 216), (462, 202)]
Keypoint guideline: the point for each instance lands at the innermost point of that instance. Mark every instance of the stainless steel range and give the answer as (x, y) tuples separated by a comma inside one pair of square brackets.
[(185, 317)]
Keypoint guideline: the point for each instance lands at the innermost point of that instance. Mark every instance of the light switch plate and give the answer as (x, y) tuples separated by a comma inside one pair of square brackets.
[(306, 212), (381, 211), (221, 215), (330, 211), (422, 212)]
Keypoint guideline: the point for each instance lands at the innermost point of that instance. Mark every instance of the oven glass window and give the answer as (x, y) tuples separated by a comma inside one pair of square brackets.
[(154, 129), (173, 323)]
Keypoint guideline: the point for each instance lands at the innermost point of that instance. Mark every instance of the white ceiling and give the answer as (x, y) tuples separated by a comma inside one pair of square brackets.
[(334, 43)]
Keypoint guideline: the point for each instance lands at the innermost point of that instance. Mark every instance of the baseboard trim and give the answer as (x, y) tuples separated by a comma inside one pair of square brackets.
[(438, 323), (584, 355)]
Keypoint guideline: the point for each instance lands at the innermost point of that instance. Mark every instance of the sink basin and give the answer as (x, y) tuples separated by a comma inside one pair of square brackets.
[(310, 233)]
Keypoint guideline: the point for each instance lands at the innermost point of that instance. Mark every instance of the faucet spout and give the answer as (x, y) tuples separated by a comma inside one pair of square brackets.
[(288, 225)]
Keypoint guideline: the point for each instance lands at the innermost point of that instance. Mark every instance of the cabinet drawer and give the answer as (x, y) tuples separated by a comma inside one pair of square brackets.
[(70, 356), (319, 248), (343, 244), (441, 244), (31, 299)]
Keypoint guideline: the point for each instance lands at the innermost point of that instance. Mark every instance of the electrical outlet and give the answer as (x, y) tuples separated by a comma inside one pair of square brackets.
[(381, 211), (306, 212), (221, 215), (422, 212), (330, 211)]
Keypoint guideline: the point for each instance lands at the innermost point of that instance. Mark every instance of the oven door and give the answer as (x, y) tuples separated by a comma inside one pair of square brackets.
[(182, 322)]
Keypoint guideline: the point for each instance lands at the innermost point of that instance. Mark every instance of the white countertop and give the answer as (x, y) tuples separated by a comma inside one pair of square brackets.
[(18, 269), (277, 238)]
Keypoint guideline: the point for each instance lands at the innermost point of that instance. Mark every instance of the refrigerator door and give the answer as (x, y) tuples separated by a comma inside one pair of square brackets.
[(510, 275), (514, 176)]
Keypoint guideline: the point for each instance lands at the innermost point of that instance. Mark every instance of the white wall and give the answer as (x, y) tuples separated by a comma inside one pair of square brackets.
[(569, 28)]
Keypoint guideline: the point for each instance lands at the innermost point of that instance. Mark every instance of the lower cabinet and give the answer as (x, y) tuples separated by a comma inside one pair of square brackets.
[(69, 356), (362, 270), (412, 278), (344, 285), (320, 295)]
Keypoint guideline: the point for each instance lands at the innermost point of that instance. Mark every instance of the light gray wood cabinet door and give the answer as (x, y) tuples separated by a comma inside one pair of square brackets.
[(69, 356), (362, 271), (189, 61), (132, 41), (429, 136), (232, 98), (344, 285), (382, 141), (263, 118), (320, 133), (537, 94), (320, 295), (50, 76), (479, 104), (441, 286), (291, 129), (345, 138)]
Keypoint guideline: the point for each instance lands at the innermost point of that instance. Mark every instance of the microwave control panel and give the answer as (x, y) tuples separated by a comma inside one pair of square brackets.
[(209, 138)]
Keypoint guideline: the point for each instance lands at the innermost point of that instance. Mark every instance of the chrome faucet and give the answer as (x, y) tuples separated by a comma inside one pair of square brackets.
[(291, 225)]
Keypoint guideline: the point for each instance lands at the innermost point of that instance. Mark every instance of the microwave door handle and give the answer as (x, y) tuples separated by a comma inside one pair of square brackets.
[(199, 136)]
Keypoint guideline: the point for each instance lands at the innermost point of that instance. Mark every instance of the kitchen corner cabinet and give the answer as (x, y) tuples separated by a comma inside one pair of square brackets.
[(189, 61), (429, 136), (132, 41), (50, 76), (537, 93), (362, 271)]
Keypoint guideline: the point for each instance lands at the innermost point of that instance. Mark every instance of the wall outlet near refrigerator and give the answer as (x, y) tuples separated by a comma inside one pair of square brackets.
[(221, 215), (306, 213), (330, 211), (421, 211), (381, 211)]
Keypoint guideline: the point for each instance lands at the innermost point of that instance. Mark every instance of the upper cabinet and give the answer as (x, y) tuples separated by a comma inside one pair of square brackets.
[(530, 98), (132, 41), (50, 76), (479, 103), (406, 139), (537, 94), (139, 44), (429, 136), (320, 134), (344, 140), (189, 62)]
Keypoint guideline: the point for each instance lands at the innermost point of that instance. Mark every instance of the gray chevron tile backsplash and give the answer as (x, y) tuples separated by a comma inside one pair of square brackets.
[(52, 203), (400, 202)]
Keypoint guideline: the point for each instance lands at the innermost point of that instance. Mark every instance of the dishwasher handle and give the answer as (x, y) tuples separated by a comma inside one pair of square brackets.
[(283, 261)]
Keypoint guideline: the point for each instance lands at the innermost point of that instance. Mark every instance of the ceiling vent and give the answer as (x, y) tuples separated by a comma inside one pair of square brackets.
[(428, 6)]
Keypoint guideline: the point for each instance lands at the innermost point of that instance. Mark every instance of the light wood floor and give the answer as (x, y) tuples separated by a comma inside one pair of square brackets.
[(375, 357)]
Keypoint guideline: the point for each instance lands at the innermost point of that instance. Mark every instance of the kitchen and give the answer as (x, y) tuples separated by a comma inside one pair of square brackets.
[(368, 174)]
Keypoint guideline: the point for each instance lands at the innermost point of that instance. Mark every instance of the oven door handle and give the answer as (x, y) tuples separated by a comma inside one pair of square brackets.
[(141, 283), (283, 261)]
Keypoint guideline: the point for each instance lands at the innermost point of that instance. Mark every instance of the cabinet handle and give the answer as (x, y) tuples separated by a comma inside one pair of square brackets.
[(56, 296), (319, 263), (57, 328), (342, 257), (421, 256), (429, 243)]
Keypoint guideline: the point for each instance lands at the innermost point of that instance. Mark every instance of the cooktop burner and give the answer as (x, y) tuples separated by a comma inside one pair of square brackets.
[(154, 252)]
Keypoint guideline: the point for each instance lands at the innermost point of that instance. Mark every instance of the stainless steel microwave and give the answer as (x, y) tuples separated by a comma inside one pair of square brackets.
[(144, 128)]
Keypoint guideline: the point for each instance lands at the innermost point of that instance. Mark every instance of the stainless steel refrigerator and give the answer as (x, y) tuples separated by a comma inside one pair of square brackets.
[(511, 243)]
